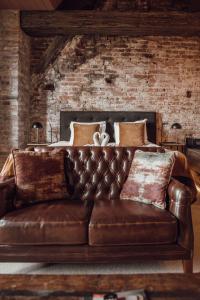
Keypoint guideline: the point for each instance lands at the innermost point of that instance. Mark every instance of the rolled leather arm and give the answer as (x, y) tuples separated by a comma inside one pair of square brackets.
[(180, 199), (7, 194), (188, 182)]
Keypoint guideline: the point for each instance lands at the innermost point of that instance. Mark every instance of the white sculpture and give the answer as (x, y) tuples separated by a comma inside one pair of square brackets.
[(101, 139)]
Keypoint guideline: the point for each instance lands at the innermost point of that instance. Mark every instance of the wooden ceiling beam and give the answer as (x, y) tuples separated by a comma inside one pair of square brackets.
[(51, 53), (59, 42), (110, 23)]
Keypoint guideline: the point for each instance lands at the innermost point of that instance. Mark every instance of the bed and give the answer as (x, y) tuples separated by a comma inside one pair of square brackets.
[(66, 117)]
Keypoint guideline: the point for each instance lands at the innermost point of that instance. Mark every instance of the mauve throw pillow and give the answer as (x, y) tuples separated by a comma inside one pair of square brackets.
[(39, 176), (148, 178)]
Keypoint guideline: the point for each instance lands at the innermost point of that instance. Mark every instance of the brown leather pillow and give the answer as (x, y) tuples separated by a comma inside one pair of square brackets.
[(39, 176), (148, 178), (131, 134)]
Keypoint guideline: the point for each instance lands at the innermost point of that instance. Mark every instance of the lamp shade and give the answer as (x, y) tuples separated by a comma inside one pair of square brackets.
[(176, 126), (37, 125)]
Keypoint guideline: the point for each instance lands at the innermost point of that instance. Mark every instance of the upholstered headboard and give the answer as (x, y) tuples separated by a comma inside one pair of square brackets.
[(110, 117)]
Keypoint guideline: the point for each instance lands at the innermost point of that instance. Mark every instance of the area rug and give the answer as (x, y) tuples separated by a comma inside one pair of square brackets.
[(136, 267)]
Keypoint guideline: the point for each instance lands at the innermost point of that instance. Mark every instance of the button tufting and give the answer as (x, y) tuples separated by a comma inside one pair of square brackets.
[(97, 173)]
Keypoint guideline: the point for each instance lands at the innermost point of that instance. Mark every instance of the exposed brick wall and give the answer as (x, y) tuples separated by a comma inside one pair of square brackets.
[(95, 73), (122, 73), (23, 90), (14, 83), (38, 48)]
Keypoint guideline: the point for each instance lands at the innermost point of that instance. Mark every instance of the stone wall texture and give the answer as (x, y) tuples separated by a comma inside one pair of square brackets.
[(159, 74), (14, 83)]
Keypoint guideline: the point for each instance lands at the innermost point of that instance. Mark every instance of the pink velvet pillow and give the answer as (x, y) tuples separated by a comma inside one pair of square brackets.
[(148, 178)]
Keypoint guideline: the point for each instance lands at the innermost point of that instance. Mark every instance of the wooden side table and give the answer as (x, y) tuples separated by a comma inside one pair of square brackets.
[(174, 146), (36, 145)]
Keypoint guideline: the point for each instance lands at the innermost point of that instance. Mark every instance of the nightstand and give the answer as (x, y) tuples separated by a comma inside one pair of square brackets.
[(174, 146), (37, 144)]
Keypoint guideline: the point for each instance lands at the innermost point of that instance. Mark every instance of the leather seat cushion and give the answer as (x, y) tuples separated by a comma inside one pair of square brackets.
[(125, 222), (54, 222)]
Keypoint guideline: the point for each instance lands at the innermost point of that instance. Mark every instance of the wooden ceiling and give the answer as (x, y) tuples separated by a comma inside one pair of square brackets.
[(30, 4), (181, 5), (77, 4), (48, 4)]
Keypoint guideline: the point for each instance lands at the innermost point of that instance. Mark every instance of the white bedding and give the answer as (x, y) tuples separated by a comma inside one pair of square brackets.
[(67, 143)]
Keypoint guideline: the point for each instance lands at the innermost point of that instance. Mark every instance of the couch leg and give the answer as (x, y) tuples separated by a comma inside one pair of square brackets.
[(188, 265)]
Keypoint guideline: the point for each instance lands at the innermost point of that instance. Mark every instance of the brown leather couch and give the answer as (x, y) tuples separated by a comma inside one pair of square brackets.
[(94, 225)]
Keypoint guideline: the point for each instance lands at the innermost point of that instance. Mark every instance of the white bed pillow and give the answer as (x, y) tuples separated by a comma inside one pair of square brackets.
[(60, 144), (101, 123), (117, 133)]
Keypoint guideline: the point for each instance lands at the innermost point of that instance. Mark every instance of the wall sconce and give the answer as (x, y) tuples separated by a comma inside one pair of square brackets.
[(37, 126), (176, 127)]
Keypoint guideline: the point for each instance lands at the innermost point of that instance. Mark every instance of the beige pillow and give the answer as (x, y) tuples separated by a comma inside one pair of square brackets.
[(82, 133), (131, 134), (118, 126)]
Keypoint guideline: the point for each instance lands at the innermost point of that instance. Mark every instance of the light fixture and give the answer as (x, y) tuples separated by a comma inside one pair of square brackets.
[(37, 126), (176, 126)]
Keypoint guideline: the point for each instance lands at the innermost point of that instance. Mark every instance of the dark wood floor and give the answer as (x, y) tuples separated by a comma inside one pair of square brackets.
[(157, 286)]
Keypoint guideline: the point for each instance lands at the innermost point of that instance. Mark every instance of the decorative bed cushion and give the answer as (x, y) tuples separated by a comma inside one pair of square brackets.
[(82, 133), (39, 176), (148, 178), (131, 133), (60, 144), (8, 168)]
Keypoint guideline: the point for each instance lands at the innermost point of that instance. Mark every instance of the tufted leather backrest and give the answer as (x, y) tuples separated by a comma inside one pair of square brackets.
[(97, 173), (94, 173)]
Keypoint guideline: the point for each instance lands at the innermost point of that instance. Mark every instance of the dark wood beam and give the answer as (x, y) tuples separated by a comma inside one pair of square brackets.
[(59, 42), (51, 53), (110, 23)]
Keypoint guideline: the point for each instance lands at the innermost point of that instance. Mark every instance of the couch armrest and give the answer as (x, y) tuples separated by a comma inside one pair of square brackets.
[(188, 182), (180, 198), (7, 194)]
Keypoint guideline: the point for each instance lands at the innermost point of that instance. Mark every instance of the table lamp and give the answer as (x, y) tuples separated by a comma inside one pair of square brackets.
[(37, 126), (176, 126)]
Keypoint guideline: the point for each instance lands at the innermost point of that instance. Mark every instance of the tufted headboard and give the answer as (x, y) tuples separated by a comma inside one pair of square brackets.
[(110, 117)]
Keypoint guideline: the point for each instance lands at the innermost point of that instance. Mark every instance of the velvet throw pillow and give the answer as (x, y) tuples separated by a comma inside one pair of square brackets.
[(148, 178), (131, 134), (39, 176), (82, 133)]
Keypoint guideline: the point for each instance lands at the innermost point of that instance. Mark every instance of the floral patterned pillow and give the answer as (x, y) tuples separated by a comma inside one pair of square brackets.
[(148, 178)]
